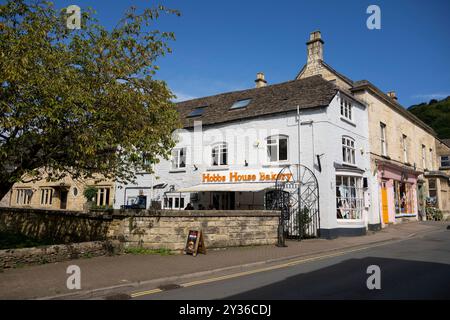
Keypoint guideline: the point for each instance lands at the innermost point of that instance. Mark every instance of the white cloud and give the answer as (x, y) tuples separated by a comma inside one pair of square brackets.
[(430, 96)]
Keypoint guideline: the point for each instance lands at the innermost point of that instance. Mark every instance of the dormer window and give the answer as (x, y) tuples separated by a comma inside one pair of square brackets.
[(346, 109), (240, 104), (197, 112)]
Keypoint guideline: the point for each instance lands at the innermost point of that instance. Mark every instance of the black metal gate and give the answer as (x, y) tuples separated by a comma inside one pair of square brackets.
[(296, 195)]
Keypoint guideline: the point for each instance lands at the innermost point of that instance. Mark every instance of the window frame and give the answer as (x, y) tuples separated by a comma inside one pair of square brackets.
[(447, 160), (221, 148), (346, 109), (424, 156), (276, 144), (383, 139), (348, 150), (46, 196), (405, 148), (350, 196), (22, 198), (176, 165)]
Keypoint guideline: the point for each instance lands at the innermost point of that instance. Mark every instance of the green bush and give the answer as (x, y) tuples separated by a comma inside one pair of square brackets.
[(434, 214), (90, 193)]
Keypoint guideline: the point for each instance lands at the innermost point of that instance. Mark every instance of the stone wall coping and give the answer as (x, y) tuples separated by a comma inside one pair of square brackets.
[(124, 213)]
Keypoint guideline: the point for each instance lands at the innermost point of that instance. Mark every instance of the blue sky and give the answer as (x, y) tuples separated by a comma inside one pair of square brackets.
[(221, 45)]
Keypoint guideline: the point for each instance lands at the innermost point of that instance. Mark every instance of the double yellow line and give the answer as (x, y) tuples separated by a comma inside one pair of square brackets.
[(245, 273)]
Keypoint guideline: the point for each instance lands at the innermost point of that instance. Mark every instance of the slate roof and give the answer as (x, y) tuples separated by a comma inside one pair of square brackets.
[(311, 92), (446, 141)]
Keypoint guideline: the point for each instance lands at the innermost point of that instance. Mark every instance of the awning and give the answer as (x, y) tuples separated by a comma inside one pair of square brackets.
[(230, 187)]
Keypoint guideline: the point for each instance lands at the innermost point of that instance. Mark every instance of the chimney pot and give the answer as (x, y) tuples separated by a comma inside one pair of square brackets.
[(260, 80)]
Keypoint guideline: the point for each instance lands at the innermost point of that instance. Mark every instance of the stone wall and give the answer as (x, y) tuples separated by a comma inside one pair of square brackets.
[(169, 229), (150, 229), (12, 258)]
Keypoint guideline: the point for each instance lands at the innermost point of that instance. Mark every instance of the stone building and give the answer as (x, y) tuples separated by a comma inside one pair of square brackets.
[(439, 180), (402, 147), (66, 193)]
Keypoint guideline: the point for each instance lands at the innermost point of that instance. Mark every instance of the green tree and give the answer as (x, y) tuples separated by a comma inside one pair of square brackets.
[(81, 101), (436, 114)]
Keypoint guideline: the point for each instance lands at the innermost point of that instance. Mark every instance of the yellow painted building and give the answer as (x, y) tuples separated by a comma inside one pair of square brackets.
[(65, 194), (403, 149)]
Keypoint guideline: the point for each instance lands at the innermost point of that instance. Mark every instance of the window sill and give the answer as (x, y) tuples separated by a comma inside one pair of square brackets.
[(350, 221), (218, 168), (351, 165), (348, 121), (276, 164), (177, 170)]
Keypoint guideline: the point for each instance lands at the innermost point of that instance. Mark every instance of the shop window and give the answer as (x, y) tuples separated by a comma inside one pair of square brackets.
[(432, 191), (23, 196), (277, 148), (346, 109), (102, 197), (348, 150), (46, 196), (349, 197), (178, 158), (219, 154), (403, 198)]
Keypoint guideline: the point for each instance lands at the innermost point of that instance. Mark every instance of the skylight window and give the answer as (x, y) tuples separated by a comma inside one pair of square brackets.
[(240, 104), (197, 112)]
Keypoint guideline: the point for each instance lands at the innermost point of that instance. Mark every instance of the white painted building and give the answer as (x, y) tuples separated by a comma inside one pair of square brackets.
[(234, 144)]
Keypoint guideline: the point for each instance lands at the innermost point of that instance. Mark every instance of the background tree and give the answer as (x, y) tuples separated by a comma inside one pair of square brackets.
[(436, 114), (82, 101)]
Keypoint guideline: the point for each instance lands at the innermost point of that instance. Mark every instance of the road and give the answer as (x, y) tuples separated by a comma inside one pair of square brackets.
[(416, 268)]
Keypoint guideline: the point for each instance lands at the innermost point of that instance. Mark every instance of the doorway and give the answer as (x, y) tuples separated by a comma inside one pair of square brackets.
[(223, 200), (384, 203), (63, 200)]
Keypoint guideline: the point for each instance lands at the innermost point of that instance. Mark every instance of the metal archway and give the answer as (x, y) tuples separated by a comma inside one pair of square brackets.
[(296, 195)]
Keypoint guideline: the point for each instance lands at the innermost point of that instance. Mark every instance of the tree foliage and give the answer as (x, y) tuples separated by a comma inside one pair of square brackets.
[(81, 102), (436, 114)]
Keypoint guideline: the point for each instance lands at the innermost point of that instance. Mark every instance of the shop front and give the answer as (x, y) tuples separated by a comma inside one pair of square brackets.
[(398, 187), (231, 189)]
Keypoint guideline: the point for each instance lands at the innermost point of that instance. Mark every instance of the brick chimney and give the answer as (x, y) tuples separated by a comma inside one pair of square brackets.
[(314, 48), (260, 81), (392, 95)]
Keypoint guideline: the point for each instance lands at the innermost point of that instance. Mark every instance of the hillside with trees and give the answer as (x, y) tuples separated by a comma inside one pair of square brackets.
[(436, 114)]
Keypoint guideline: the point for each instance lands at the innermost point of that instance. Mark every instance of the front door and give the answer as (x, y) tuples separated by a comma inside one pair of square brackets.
[(63, 204), (384, 203)]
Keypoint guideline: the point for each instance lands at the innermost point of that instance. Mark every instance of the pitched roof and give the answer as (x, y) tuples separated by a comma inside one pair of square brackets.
[(446, 142), (365, 84), (306, 93)]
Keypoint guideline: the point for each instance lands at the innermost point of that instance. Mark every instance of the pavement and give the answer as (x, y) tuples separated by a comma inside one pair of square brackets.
[(108, 276)]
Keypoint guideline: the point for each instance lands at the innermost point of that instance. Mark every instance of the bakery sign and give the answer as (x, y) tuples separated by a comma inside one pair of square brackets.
[(245, 176)]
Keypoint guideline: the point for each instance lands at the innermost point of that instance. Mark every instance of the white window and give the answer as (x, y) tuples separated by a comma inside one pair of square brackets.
[(24, 196), (349, 197), (102, 197), (424, 157), (405, 148), (346, 109), (179, 158), (46, 196), (445, 161), (174, 202), (431, 160), (383, 139), (277, 148), (348, 150), (219, 154)]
